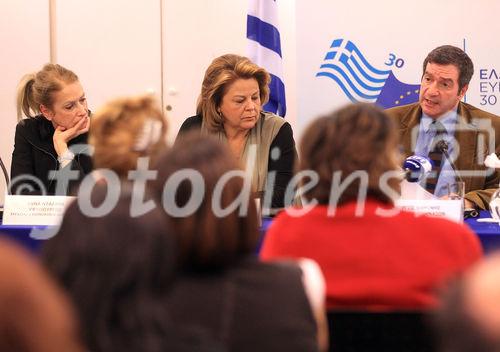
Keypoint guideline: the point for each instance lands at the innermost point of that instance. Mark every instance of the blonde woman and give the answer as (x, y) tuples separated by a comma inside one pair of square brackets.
[(53, 134)]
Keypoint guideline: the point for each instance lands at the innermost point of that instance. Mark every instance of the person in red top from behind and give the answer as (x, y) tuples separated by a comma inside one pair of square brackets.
[(372, 255)]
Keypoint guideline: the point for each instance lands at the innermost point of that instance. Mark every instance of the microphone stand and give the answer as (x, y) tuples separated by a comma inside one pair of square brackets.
[(5, 175), (442, 146)]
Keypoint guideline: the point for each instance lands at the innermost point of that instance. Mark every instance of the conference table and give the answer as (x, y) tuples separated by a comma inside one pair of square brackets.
[(21, 235), (488, 233)]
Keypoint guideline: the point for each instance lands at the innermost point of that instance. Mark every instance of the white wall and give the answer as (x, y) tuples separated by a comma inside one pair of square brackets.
[(195, 32), (113, 46), (24, 39)]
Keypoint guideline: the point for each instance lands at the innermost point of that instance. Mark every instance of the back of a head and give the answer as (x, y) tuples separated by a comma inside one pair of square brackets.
[(469, 317), (208, 238), (124, 130), (35, 316), (116, 268), (38, 88), (355, 138)]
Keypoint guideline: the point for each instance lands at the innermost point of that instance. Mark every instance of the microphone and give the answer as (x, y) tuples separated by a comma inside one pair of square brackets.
[(5, 175), (416, 167), (442, 146)]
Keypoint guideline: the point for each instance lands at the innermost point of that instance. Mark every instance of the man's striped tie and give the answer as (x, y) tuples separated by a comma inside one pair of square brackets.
[(435, 155)]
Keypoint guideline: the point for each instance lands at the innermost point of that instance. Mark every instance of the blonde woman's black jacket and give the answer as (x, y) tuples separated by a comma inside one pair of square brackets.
[(34, 156)]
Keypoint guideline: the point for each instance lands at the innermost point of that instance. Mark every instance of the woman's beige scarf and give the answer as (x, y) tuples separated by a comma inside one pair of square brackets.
[(256, 151)]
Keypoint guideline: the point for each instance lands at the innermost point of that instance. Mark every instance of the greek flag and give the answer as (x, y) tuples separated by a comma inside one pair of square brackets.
[(264, 49)]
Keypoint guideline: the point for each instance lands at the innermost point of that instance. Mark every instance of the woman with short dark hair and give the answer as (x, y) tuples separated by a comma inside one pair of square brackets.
[(246, 305), (353, 139), (373, 255), (118, 269)]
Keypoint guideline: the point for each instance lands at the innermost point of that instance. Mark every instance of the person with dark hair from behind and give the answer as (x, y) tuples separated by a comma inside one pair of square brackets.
[(469, 317), (233, 92), (469, 132), (246, 305), (376, 257), (53, 136), (117, 270), (35, 315)]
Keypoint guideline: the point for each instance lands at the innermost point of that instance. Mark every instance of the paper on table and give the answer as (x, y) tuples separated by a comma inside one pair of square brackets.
[(488, 220), (413, 191), (492, 161)]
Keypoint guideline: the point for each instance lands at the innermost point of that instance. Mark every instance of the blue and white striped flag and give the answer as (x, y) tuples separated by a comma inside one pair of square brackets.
[(264, 49)]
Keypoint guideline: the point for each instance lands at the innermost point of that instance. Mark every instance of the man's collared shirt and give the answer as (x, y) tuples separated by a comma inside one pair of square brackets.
[(424, 140)]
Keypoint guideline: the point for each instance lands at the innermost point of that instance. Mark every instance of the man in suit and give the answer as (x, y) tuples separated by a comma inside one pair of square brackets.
[(468, 132)]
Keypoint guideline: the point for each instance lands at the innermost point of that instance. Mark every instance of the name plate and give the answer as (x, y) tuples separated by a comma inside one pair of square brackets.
[(450, 209), (34, 210)]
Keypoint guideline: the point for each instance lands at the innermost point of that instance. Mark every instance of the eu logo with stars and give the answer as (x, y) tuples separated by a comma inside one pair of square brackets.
[(361, 81)]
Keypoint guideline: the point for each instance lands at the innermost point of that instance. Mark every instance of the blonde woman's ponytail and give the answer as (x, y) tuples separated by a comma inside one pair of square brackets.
[(25, 102)]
